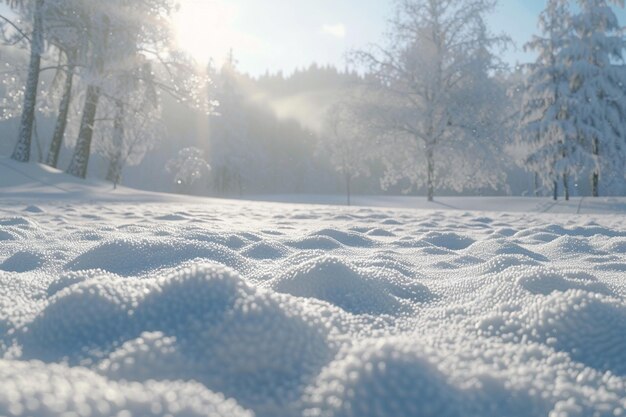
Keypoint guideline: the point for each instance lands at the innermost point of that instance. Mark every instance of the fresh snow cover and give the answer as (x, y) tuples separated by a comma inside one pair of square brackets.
[(127, 303)]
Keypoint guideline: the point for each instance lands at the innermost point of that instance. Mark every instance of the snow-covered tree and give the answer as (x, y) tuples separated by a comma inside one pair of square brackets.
[(65, 32), (17, 28), (595, 61), (439, 55), (34, 10), (129, 123), (123, 36), (188, 167), (547, 138), (344, 139), (114, 33)]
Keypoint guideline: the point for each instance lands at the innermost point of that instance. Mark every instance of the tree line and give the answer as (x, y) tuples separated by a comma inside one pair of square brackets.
[(433, 107), (444, 111)]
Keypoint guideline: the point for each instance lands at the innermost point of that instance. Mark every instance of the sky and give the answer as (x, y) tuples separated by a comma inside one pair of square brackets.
[(281, 35)]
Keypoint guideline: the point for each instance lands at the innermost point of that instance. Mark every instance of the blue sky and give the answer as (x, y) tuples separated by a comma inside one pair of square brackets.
[(286, 34)]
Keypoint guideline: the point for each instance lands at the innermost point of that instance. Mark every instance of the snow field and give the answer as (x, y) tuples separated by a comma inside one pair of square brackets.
[(234, 309)]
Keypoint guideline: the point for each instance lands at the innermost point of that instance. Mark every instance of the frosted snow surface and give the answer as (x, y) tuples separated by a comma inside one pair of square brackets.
[(133, 305)]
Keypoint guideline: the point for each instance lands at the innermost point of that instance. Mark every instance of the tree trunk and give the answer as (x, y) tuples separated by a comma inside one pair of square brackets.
[(536, 184), (595, 184), (80, 159), (595, 177), (61, 124), (22, 148), (566, 186), (556, 191), (114, 173), (431, 174)]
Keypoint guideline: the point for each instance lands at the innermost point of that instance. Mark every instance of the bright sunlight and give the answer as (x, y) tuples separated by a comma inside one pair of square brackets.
[(204, 29)]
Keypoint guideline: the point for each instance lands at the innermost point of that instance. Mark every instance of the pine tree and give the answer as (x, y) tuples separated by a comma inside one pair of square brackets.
[(594, 57), (546, 135)]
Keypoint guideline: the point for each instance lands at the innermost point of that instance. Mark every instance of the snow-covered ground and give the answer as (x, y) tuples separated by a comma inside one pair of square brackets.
[(126, 303)]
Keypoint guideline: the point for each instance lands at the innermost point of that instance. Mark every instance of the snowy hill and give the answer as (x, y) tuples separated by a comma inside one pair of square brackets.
[(38, 181), (125, 303), (35, 181)]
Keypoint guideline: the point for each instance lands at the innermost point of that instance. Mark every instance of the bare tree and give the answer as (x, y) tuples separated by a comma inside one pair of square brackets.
[(344, 139), (427, 82)]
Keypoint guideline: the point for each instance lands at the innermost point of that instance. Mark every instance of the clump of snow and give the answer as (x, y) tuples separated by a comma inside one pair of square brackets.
[(22, 261), (353, 289), (200, 323), (265, 250), (590, 327), (131, 256), (452, 241), (381, 379)]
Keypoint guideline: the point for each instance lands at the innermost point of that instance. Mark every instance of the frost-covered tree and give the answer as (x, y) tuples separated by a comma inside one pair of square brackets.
[(65, 32), (547, 139), (594, 57), (188, 167), (439, 55), (129, 123), (124, 35), (344, 139), (114, 33)]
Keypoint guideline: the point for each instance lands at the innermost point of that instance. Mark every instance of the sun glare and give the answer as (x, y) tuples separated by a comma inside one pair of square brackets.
[(204, 28)]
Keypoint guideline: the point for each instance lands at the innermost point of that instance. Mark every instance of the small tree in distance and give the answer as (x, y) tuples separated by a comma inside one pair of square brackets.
[(345, 141), (188, 167)]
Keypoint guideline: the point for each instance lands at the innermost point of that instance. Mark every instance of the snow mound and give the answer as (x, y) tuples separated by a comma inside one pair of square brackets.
[(315, 243), (16, 228), (452, 241), (265, 250), (590, 327), (23, 261), (539, 280), (212, 327), (501, 263), (503, 247), (380, 233), (570, 246), (37, 390), (616, 245), (34, 209), (355, 290), (131, 256), (230, 240), (382, 379), (347, 238)]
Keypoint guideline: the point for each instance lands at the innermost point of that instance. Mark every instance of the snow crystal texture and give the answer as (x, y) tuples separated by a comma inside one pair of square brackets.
[(268, 310)]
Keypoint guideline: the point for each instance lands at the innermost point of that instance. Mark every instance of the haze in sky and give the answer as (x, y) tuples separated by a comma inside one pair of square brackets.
[(283, 35)]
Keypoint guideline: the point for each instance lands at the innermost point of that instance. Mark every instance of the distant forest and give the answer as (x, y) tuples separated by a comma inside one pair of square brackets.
[(280, 119)]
